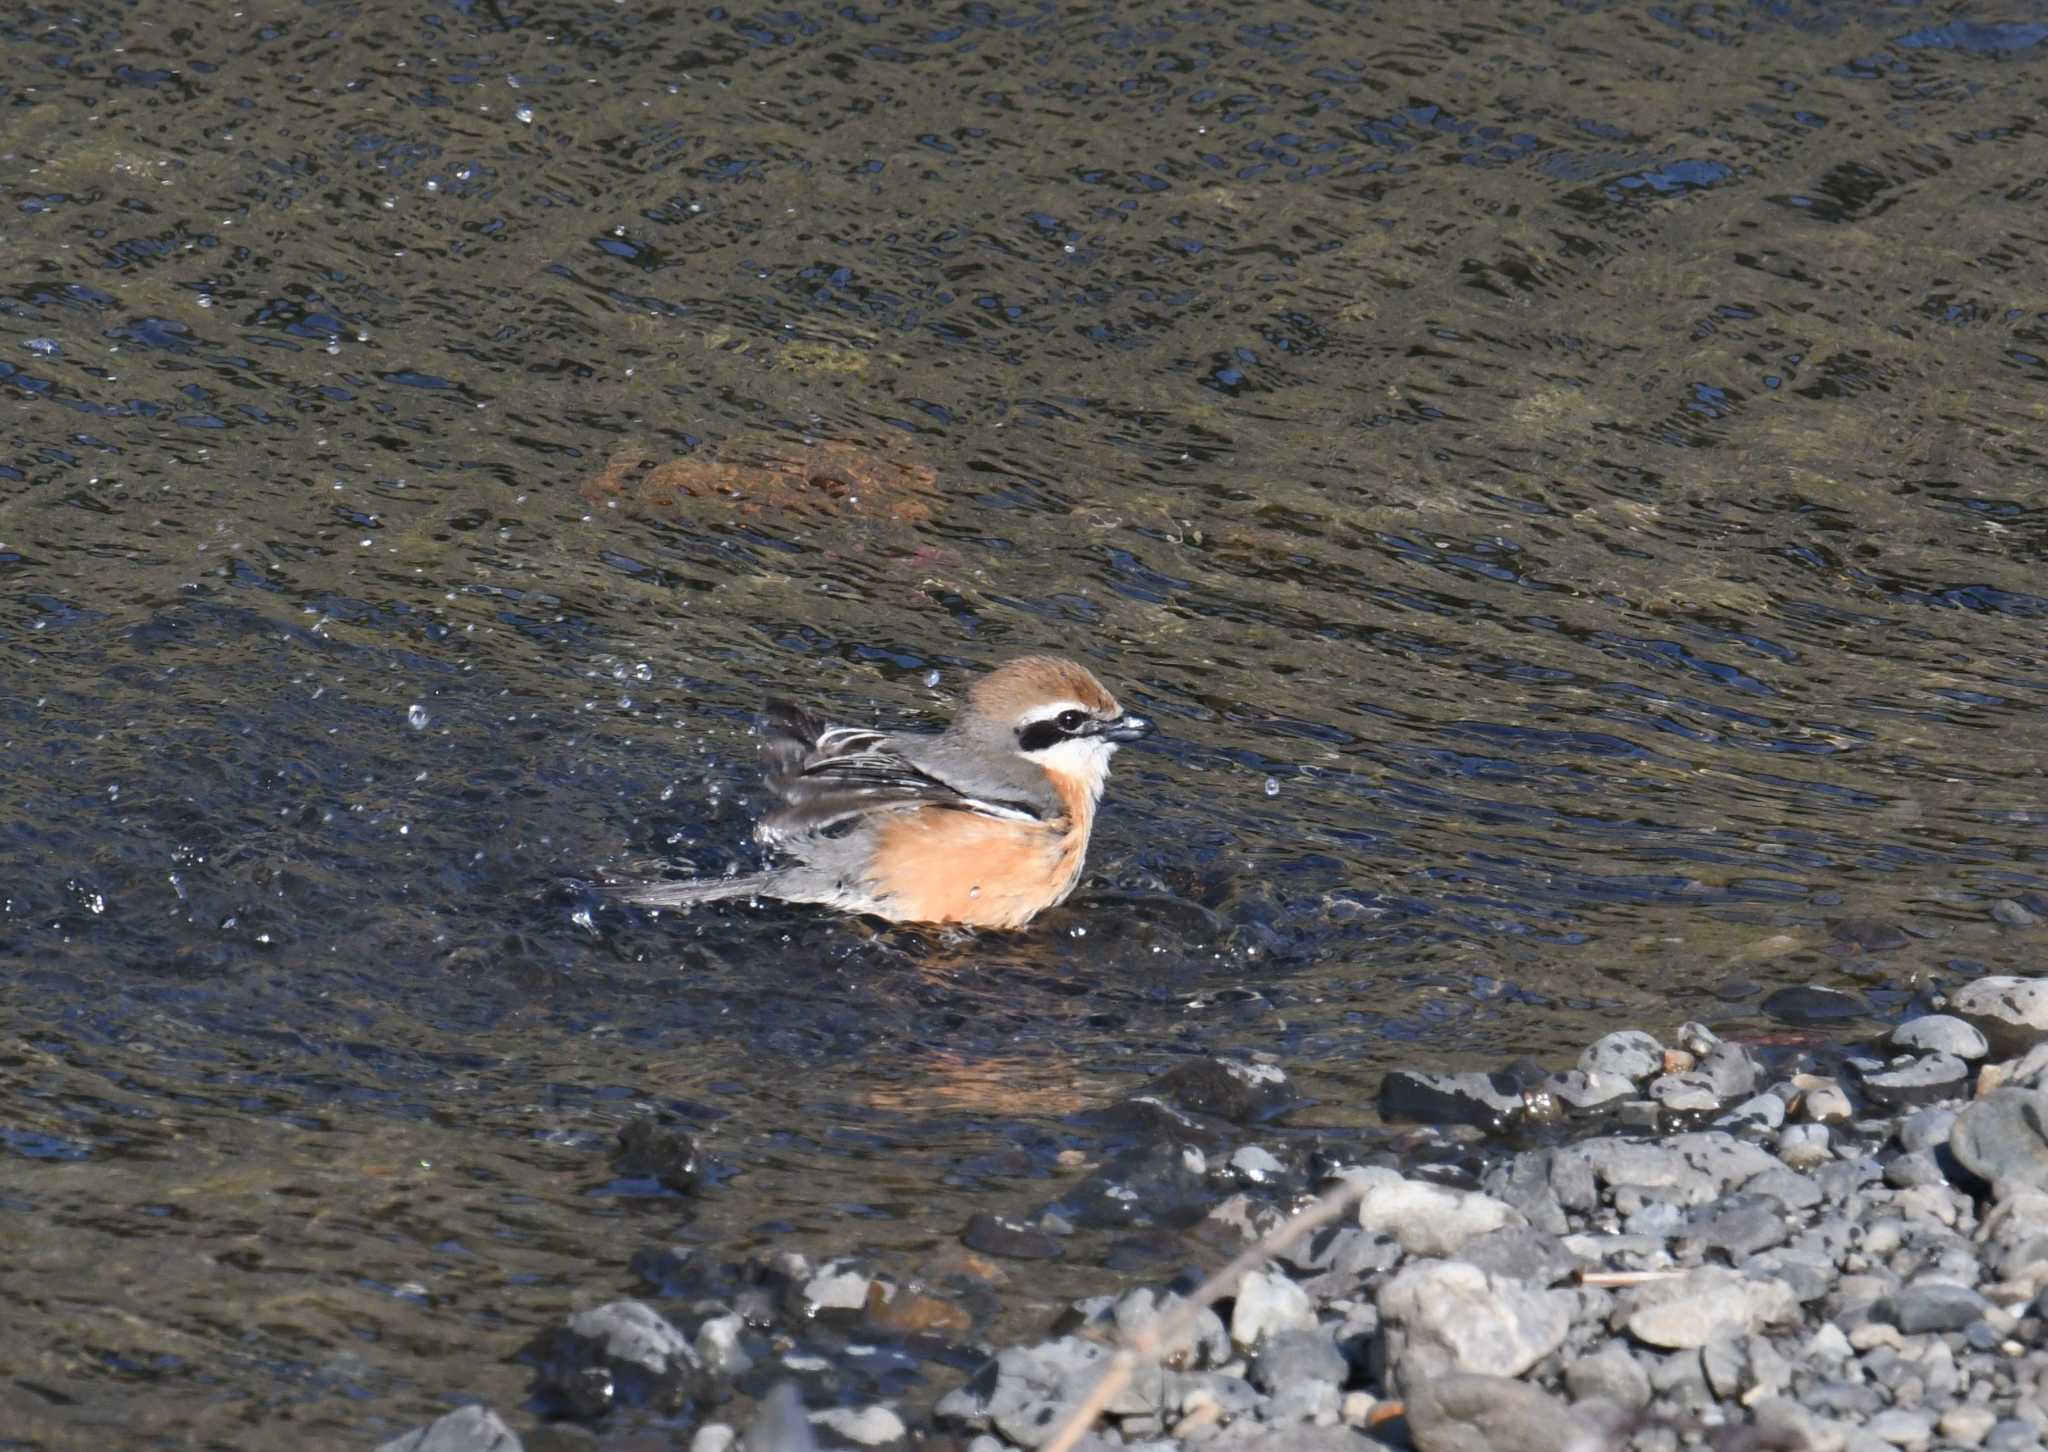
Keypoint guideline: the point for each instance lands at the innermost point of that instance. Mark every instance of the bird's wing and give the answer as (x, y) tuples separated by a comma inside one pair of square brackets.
[(824, 776)]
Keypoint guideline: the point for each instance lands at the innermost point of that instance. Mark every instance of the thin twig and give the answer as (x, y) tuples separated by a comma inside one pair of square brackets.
[(1628, 1278), (1166, 1330)]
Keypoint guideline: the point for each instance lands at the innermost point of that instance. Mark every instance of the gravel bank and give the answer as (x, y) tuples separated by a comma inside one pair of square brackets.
[(1699, 1244)]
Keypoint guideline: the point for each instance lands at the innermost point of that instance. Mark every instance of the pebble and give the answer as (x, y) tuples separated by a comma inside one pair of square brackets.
[(466, 1429), (2011, 1012), (1426, 1219), (1462, 1412), (864, 1426), (1490, 1101), (1269, 1302), (1919, 1081), (1706, 1302), (1940, 1033), (1935, 1306), (1966, 1426), (2004, 1136), (1588, 1091), (1443, 1316), (1628, 1053), (1612, 1373)]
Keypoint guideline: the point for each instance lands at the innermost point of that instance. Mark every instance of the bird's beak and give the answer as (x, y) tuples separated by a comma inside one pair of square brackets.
[(1125, 728)]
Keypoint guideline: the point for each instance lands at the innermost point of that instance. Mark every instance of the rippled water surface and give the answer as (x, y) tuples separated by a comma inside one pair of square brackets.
[(1568, 480)]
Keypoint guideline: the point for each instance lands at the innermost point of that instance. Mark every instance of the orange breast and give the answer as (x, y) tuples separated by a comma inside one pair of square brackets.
[(937, 866)]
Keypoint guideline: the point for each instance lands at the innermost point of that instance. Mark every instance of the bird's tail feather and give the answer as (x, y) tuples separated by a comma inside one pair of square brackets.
[(697, 889)]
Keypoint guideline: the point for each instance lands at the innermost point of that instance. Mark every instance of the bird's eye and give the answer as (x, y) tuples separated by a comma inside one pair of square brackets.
[(1073, 720)]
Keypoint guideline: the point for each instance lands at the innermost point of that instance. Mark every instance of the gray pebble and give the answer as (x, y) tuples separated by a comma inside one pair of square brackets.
[(1426, 1219), (1735, 1226), (1445, 1316), (2011, 1012), (1686, 1093), (1927, 1129), (1803, 1146), (466, 1429), (1612, 1373), (1902, 1427), (1939, 1033), (1306, 1354), (2011, 1435), (1268, 1302), (1461, 1412), (1922, 1081), (1917, 1168), (1710, 1300), (1630, 1053), (1588, 1091), (1760, 1111), (2004, 1136), (1934, 1306), (1791, 1190)]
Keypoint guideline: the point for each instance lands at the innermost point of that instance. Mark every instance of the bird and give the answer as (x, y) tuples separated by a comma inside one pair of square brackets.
[(983, 825)]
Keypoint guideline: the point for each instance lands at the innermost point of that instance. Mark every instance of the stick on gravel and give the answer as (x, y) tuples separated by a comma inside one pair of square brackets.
[(1165, 1330)]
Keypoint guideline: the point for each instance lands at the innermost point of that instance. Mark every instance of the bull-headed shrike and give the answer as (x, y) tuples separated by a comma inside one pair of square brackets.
[(985, 824)]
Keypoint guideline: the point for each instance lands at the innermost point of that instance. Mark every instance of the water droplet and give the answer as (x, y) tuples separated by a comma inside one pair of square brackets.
[(931, 678), (416, 717), (974, 891), (525, 113), (1080, 932), (1272, 787), (45, 347)]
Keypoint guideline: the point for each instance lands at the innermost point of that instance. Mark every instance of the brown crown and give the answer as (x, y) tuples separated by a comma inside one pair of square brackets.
[(1014, 687)]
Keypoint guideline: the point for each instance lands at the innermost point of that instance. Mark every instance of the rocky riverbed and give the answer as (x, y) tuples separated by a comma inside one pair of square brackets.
[(1683, 1244)]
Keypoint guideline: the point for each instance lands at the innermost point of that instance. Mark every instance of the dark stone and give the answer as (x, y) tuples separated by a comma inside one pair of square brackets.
[(1492, 1102), (624, 1353), (998, 1235), (659, 1152), (1149, 1249), (1933, 1306), (1871, 935), (1224, 1089), (1813, 1004), (1142, 1186)]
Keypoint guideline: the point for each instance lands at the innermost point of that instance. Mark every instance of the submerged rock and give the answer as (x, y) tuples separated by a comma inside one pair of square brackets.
[(467, 1429), (624, 1353)]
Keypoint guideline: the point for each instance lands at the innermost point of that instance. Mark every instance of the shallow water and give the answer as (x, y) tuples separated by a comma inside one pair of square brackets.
[(1566, 480)]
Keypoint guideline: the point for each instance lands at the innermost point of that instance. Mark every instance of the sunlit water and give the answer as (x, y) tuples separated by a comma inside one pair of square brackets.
[(1567, 480)]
